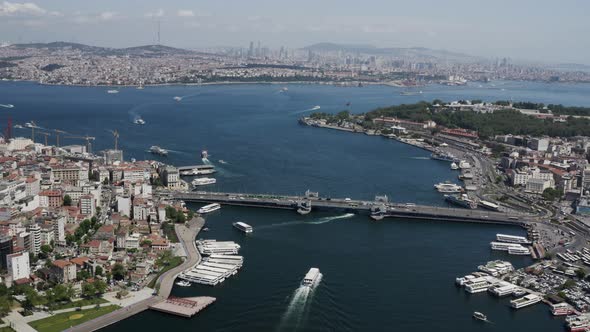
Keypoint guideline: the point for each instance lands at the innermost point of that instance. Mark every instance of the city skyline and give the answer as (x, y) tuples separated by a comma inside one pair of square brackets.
[(523, 31)]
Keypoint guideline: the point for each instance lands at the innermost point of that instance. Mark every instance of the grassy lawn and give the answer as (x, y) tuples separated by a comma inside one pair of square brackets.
[(66, 320), (80, 303), (7, 329), (173, 262), (168, 229)]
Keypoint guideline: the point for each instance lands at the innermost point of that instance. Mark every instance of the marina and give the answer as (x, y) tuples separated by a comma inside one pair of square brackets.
[(221, 263)]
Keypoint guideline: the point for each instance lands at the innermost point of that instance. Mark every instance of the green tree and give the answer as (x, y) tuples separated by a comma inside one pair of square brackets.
[(118, 271), (88, 290), (98, 271), (100, 286), (67, 200), (46, 248)]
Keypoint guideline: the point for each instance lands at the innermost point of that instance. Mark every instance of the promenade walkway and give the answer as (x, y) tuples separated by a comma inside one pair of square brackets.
[(186, 235)]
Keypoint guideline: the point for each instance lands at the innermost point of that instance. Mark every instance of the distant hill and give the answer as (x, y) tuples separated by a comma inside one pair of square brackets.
[(392, 51), (145, 50)]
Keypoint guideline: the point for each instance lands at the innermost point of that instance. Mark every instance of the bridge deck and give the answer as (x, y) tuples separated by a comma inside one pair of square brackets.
[(393, 210)]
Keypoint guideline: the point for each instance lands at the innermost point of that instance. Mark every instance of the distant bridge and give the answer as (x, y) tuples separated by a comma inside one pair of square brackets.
[(378, 209)]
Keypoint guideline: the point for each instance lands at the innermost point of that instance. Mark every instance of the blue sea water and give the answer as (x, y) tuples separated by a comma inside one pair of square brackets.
[(393, 275)]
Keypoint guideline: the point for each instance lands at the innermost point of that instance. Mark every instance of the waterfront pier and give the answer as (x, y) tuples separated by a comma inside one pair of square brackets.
[(385, 208)]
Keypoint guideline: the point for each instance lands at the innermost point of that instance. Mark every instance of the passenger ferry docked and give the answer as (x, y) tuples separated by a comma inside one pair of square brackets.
[(561, 309), (243, 227), (311, 277), (209, 208), (447, 187), (512, 239), (203, 181), (524, 301), (461, 200)]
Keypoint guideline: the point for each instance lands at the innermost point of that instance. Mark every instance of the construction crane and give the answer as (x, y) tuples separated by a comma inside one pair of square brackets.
[(44, 134), (116, 135), (33, 125), (87, 138), (57, 133)]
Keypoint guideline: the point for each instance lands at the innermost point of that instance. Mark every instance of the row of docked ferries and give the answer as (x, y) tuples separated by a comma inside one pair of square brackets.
[(487, 279), (513, 244), (213, 270)]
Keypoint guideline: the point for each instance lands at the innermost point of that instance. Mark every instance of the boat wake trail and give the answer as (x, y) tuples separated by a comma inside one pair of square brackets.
[(420, 158), (7, 105), (313, 222), (315, 108), (205, 161), (298, 309), (329, 219)]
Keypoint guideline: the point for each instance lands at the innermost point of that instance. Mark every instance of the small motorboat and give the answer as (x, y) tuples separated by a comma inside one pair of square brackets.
[(183, 283), (479, 316)]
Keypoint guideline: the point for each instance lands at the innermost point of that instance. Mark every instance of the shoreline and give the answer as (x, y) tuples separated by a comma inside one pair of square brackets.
[(348, 84), (187, 234)]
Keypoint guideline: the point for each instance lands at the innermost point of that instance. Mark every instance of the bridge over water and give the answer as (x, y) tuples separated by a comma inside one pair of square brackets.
[(378, 209)]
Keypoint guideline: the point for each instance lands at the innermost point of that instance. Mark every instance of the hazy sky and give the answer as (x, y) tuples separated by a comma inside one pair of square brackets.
[(547, 30)]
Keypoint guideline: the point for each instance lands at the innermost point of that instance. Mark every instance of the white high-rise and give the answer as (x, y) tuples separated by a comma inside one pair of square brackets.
[(18, 265)]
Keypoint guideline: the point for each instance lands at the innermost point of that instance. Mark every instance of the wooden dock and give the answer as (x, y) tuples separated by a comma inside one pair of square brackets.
[(183, 306)]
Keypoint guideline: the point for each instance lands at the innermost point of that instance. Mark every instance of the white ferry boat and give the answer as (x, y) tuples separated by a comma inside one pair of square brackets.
[(479, 316), (139, 121), (203, 181), (512, 239), (489, 205), (464, 165), (446, 187), (512, 248), (520, 250), (502, 289), (524, 301), (243, 227), (561, 309), (477, 286), (209, 208), (460, 281), (577, 323), (154, 149), (177, 98), (311, 277)]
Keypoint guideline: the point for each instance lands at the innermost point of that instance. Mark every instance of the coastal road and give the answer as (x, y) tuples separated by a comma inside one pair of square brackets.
[(186, 235)]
